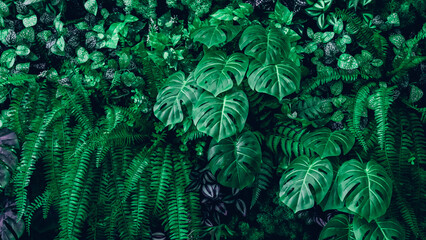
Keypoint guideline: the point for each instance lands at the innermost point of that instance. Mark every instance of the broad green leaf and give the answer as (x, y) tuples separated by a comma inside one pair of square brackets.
[(327, 36), (91, 6), (329, 144), (305, 183), (278, 80), (336, 88), (237, 161), (60, 43), (8, 58), (223, 14), (30, 21), (178, 91), (282, 14), (379, 229), (82, 55), (221, 117), (415, 94), (215, 35), (397, 39), (393, 19), (22, 50), (4, 9), (337, 116), (347, 62), (321, 22), (377, 62), (338, 228), (365, 188), (216, 71), (267, 46)]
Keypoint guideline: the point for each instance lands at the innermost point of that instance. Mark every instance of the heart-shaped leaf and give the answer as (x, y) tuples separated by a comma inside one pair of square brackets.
[(216, 70), (267, 46), (347, 62), (338, 228), (365, 188), (329, 144), (236, 161), (306, 182), (221, 117), (178, 90), (380, 229), (278, 80), (215, 35)]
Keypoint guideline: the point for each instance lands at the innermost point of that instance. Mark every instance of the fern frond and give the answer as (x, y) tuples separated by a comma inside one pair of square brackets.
[(381, 101), (31, 151), (264, 177), (18, 79), (44, 201), (288, 140), (359, 108), (161, 177)]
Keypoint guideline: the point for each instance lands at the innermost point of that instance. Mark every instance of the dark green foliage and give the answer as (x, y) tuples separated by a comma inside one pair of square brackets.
[(114, 104)]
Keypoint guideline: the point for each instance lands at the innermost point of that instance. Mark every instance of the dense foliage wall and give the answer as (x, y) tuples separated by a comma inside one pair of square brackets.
[(179, 119)]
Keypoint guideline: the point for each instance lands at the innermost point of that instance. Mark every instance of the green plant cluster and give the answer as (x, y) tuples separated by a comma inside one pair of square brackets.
[(116, 103)]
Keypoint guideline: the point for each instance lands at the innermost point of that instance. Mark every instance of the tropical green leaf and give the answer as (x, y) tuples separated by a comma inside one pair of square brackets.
[(278, 80), (221, 117), (306, 182), (216, 71), (178, 90), (91, 6), (82, 55), (347, 62), (379, 229), (30, 21), (267, 46), (8, 58), (22, 50), (215, 35), (329, 144), (237, 161), (365, 188), (338, 228)]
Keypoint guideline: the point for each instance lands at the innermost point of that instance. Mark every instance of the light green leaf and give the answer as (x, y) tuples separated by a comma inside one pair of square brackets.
[(347, 62), (377, 62), (30, 21), (311, 47), (337, 116), (415, 94), (215, 35), (221, 117), (236, 161), (329, 144), (278, 80), (327, 36), (60, 43), (282, 14), (8, 58), (366, 188), (178, 91), (338, 228), (216, 71), (223, 14), (4, 9), (397, 39), (91, 6), (267, 46), (305, 183), (22, 50), (380, 229), (82, 55), (393, 19), (322, 24)]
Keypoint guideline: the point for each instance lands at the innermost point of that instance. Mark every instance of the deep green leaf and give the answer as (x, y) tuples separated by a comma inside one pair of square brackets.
[(221, 117), (278, 80), (178, 90), (237, 161), (338, 228), (379, 229), (216, 71), (327, 143), (366, 188), (266, 45), (306, 182), (347, 62)]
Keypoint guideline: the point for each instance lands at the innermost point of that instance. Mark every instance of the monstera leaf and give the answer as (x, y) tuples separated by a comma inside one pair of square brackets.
[(365, 188), (306, 181), (327, 143), (338, 228), (379, 229), (215, 35), (266, 46), (216, 70), (221, 117), (236, 161), (278, 80), (178, 90)]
